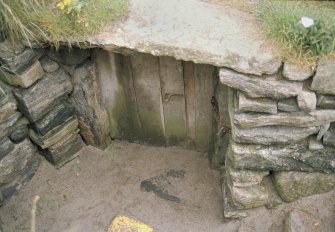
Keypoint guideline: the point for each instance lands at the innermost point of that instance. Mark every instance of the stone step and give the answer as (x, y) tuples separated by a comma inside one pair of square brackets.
[(65, 150), (56, 134)]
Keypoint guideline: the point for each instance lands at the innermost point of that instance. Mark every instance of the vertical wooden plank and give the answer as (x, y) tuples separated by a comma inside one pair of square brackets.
[(190, 101), (118, 95), (204, 89), (145, 69), (172, 83), (128, 120), (110, 86)]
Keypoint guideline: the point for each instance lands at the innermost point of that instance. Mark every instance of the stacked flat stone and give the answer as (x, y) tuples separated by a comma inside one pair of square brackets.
[(281, 124), (19, 158), (54, 124)]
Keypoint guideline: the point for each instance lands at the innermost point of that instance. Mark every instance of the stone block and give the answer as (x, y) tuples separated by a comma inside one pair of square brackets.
[(288, 105), (326, 101), (272, 134), (54, 118), (243, 177), (314, 144), (66, 56), (329, 139), (298, 221), (7, 127), (65, 150), (295, 119), (18, 62), (13, 163), (262, 105), (294, 72), (323, 129), (247, 197), (281, 157), (257, 87), (87, 99), (7, 110), (56, 134), (307, 100), (48, 65), (36, 101), (295, 185), (229, 210), (6, 146), (323, 81), (27, 78), (6, 191)]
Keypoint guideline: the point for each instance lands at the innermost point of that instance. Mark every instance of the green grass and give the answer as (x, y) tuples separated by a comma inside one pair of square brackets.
[(281, 19), (41, 20)]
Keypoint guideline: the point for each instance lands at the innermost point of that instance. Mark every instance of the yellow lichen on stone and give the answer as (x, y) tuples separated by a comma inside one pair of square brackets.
[(126, 224)]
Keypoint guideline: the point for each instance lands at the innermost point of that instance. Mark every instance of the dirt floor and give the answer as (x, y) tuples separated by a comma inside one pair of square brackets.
[(170, 189)]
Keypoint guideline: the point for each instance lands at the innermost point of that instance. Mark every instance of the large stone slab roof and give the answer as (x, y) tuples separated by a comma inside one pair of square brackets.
[(192, 30)]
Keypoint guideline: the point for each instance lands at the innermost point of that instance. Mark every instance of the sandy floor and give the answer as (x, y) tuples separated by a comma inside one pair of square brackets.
[(167, 188)]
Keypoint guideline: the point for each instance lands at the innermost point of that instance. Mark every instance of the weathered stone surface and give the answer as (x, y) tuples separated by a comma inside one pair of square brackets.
[(9, 48), (288, 105), (232, 44), (323, 81), (307, 100), (298, 221), (323, 129), (3, 97), (7, 110), (8, 126), (329, 139), (86, 98), (6, 191), (18, 135), (27, 78), (6, 146), (247, 197), (294, 185), (20, 130), (37, 101), (65, 150), (56, 134), (229, 209), (326, 101), (295, 119), (263, 105), (281, 158), (243, 177), (55, 117), (274, 200), (48, 65), (259, 87), (314, 144), (66, 56), (17, 63), (13, 163), (294, 72), (272, 134)]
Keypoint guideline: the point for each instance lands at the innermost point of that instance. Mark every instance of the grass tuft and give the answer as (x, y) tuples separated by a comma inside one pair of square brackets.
[(42, 20), (282, 22)]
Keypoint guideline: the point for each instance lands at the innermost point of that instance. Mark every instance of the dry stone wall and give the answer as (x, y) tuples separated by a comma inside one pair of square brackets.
[(49, 104), (282, 136)]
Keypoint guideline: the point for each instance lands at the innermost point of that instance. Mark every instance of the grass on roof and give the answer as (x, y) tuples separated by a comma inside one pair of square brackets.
[(46, 20), (283, 22)]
